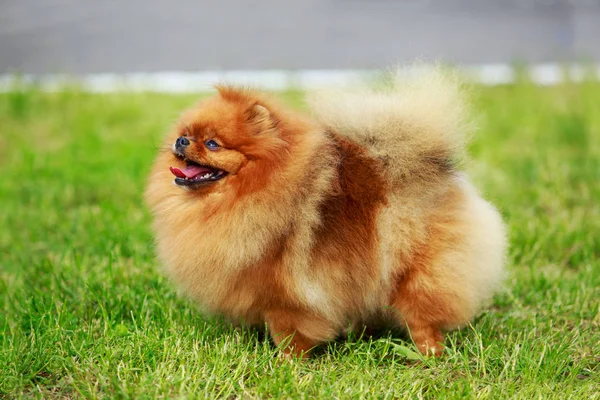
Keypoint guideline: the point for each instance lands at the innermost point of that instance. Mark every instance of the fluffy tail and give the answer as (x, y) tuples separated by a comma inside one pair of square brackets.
[(417, 128)]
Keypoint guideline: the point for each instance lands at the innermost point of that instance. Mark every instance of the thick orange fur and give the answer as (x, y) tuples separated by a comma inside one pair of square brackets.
[(328, 222)]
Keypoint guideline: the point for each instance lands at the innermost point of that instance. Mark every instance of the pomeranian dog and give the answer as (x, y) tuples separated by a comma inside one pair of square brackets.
[(316, 224)]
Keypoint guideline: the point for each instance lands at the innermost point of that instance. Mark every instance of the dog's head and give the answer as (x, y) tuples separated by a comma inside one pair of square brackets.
[(233, 138)]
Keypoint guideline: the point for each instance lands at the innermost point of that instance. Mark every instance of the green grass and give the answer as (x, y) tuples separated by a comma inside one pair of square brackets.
[(85, 311)]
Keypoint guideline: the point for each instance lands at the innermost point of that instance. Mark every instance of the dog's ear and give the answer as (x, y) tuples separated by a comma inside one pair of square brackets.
[(255, 114), (259, 116)]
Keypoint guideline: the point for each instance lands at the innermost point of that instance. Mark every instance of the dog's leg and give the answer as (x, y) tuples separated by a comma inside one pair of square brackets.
[(301, 330), (422, 315), (432, 294)]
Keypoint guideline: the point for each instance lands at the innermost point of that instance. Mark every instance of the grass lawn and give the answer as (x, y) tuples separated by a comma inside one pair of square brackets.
[(86, 312)]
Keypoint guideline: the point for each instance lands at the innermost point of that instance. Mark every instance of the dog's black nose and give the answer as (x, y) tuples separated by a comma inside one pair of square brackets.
[(182, 142)]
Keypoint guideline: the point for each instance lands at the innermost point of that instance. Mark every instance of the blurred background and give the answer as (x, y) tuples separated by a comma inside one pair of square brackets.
[(86, 37)]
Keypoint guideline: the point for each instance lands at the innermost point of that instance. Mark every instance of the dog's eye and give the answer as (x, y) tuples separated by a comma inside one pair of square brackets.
[(211, 144)]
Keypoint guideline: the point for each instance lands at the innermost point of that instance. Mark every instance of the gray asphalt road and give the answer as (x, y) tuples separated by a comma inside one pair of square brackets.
[(86, 36)]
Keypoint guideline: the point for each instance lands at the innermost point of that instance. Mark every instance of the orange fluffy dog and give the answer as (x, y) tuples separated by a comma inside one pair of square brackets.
[(312, 225)]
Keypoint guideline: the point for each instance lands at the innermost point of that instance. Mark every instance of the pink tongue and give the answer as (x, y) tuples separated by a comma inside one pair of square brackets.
[(189, 172)]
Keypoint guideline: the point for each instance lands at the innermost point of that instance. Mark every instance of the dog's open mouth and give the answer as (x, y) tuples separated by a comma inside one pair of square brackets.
[(195, 174)]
